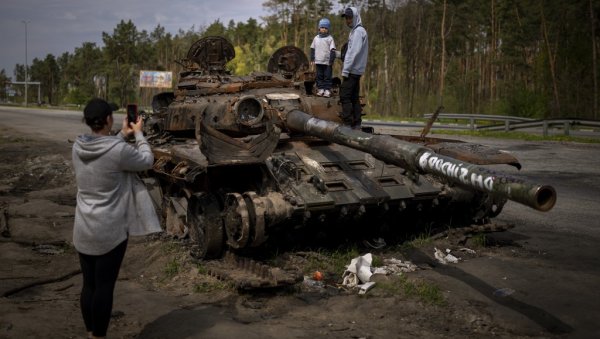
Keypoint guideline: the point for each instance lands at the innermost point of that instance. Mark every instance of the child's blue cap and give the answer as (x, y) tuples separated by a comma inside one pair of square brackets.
[(324, 23)]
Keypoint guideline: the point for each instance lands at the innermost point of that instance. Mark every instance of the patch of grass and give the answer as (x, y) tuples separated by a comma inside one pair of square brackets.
[(342, 257), (207, 287), (333, 262), (170, 247), (423, 290), (201, 269), (377, 261), (172, 268), (390, 287), (479, 240), (420, 240)]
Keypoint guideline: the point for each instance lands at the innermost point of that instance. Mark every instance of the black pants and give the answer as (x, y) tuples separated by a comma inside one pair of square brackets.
[(323, 78), (99, 277), (351, 110)]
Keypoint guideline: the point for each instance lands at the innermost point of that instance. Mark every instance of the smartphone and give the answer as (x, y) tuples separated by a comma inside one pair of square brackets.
[(132, 113)]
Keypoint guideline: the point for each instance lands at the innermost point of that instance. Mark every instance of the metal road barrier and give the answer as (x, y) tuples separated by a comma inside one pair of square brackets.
[(502, 123)]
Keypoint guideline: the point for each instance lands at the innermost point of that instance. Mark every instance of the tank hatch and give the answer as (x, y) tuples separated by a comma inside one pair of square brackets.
[(211, 54), (288, 61)]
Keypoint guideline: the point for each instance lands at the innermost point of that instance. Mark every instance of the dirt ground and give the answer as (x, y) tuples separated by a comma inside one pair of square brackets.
[(163, 293)]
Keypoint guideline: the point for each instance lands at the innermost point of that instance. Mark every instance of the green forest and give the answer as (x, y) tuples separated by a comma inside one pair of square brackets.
[(530, 58)]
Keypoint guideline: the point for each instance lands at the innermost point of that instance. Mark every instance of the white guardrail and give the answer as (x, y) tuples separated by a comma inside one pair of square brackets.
[(500, 123)]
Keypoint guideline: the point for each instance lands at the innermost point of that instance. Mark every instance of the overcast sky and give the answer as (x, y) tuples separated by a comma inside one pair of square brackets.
[(58, 26)]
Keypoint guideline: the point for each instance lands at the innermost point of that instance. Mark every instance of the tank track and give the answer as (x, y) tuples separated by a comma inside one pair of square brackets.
[(248, 274)]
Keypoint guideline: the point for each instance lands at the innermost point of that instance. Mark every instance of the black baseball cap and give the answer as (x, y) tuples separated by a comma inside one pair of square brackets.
[(348, 13), (98, 109)]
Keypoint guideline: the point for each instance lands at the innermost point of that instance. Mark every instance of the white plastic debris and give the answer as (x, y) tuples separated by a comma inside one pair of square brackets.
[(365, 287), (396, 266), (444, 258), (359, 273), (381, 270), (350, 280), (468, 250), (359, 267), (450, 258)]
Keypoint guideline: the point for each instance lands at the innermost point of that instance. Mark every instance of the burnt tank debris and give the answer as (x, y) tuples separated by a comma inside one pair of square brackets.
[(240, 160)]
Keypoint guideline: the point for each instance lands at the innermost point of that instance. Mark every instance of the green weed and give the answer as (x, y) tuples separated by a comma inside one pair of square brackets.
[(172, 268), (333, 262), (420, 240), (201, 269), (170, 247), (479, 240), (426, 292)]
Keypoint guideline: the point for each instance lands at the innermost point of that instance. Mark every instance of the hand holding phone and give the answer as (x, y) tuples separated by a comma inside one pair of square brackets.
[(132, 113)]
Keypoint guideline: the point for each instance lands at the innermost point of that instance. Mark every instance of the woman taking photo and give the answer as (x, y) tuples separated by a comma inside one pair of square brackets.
[(112, 204)]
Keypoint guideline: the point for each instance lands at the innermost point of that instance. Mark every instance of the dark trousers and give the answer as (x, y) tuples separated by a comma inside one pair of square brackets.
[(351, 110), (99, 277), (323, 79)]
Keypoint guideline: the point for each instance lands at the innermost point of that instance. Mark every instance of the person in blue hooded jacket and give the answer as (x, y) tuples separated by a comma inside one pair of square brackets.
[(322, 55), (355, 62)]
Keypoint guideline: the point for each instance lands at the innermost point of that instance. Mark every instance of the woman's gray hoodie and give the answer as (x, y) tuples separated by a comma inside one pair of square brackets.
[(112, 201), (355, 60)]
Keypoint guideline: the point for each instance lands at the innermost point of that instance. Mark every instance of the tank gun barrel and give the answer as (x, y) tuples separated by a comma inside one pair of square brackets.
[(420, 159)]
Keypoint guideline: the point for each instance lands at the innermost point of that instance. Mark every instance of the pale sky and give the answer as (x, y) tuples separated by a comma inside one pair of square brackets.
[(58, 26)]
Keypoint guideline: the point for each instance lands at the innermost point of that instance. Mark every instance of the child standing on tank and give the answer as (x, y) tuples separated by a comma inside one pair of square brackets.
[(322, 55)]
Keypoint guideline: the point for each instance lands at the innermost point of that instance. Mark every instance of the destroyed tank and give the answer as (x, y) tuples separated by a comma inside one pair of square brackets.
[(242, 160)]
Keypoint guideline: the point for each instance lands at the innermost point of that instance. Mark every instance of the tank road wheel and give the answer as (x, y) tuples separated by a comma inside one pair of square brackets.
[(206, 226), (237, 220), (244, 219)]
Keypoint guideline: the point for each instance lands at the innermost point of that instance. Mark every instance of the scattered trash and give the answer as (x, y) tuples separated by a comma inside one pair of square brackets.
[(375, 243), (359, 271), (444, 258), (503, 292), (318, 276), (395, 266), (365, 287), (468, 250), (312, 282)]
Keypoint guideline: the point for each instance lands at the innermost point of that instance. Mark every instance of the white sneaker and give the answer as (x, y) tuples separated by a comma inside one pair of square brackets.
[(321, 92), (327, 93)]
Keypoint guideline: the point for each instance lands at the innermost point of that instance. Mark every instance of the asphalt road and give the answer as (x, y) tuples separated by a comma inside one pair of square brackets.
[(552, 266), (555, 268)]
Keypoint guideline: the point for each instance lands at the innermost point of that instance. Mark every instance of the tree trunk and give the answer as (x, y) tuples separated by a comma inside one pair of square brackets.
[(443, 61), (594, 56), (387, 91), (492, 65), (551, 60)]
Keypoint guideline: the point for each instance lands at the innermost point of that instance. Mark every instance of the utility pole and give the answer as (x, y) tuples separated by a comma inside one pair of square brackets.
[(26, 65)]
